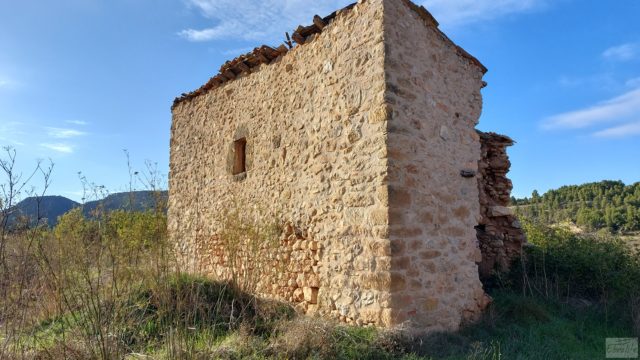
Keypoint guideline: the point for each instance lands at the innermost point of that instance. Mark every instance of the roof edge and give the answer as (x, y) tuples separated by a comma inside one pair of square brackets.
[(251, 61), (265, 55)]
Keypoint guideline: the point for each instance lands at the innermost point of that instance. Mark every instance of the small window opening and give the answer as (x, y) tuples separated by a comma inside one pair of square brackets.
[(239, 164)]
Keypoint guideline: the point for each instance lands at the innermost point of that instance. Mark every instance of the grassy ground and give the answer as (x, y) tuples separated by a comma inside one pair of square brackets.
[(106, 288), (517, 327), (514, 327)]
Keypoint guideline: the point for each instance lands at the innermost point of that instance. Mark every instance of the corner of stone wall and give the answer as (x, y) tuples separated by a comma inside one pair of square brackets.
[(431, 231)]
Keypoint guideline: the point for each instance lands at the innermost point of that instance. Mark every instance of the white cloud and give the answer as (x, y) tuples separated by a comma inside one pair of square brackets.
[(60, 133), (267, 20), (6, 83), (615, 109), (9, 82), (256, 20), (77, 122), (626, 130), (624, 52), (461, 12), (59, 147)]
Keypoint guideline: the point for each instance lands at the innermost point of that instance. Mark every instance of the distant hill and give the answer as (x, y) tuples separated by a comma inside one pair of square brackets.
[(52, 207), (133, 201), (607, 204), (49, 208)]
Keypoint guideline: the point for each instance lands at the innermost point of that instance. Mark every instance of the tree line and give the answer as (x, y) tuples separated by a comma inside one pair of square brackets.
[(609, 205)]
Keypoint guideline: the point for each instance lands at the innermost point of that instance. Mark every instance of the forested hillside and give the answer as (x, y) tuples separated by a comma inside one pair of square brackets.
[(608, 205), (50, 208)]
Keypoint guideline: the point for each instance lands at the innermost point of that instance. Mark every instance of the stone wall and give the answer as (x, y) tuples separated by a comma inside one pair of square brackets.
[(434, 94), (314, 121), (361, 149), (499, 232)]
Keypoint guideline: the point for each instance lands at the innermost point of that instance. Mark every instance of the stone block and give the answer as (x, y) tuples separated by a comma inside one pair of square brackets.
[(398, 282), (430, 254), (379, 216), (497, 211), (310, 295), (298, 295)]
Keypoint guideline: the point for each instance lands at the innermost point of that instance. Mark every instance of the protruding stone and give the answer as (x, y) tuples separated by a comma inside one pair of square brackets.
[(310, 295), (497, 211), (444, 132)]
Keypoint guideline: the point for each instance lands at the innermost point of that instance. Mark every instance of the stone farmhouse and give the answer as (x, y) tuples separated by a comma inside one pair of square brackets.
[(357, 139)]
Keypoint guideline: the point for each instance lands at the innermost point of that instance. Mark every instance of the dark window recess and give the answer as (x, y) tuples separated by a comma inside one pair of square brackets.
[(240, 157)]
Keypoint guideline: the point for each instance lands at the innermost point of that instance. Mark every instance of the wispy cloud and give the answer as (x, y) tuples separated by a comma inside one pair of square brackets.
[(61, 133), (77, 122), (462, 12), (267, 20), (238, 51), (10, 132), (6, 83), (59, 147), (255, 20), (626, 130), (615, 109), (599, 81), (8, 80), (633, 83), (624, 52)]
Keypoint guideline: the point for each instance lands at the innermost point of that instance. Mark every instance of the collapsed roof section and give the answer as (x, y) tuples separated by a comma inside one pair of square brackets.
[(250, 62)]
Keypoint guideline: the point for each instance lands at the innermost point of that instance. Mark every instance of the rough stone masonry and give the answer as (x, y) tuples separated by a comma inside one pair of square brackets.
[(357, 139)]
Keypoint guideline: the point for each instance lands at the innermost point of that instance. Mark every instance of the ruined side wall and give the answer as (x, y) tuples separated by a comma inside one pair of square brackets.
[(434, 94), (499, 232), (315, 127)]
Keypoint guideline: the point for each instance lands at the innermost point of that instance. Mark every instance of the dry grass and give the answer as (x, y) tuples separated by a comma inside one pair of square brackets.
[(107, 287)]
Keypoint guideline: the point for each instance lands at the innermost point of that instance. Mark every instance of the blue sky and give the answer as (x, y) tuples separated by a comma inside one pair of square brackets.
[(81, 80)]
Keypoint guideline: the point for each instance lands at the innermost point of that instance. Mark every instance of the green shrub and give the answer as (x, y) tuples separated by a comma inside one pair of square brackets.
[(599, 271), (563, 264), (137, 228)]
